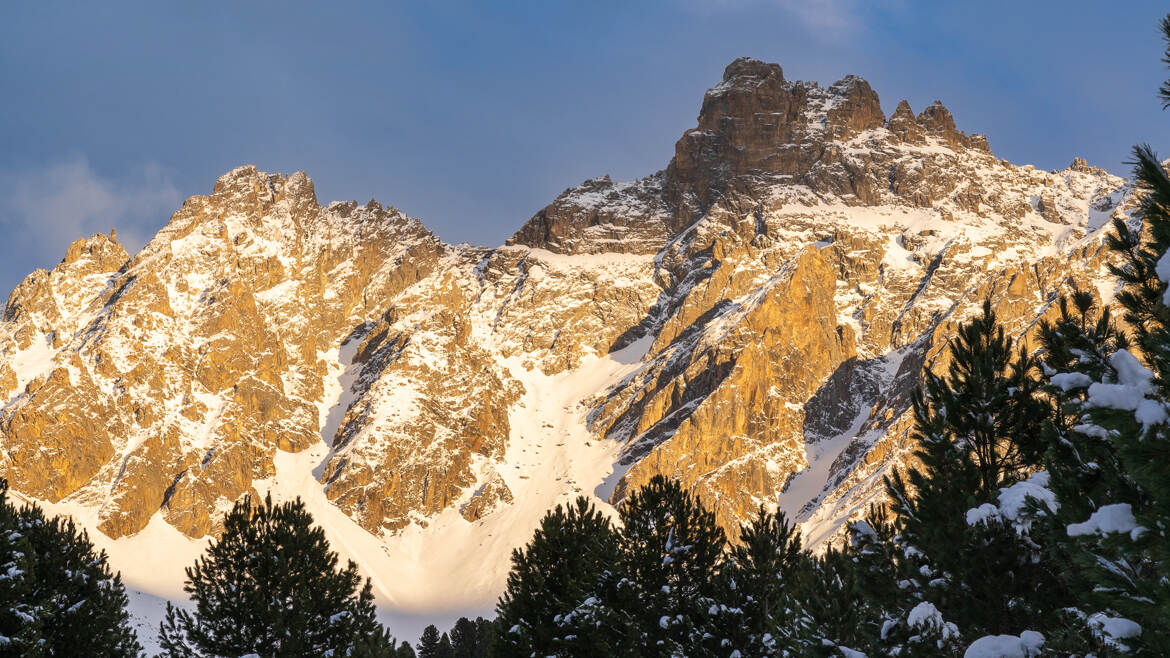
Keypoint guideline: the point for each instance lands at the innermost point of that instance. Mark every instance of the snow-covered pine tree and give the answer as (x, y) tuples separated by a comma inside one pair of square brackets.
[(1113, 479), (271, 586), (981, 431), (57, 595), (1077, 347), (860, 596), (19, 625), (758, 580), (671, 550), (558, 571)]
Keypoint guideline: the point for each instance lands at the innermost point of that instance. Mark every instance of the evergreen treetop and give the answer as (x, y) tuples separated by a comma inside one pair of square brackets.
[(57, 595), (271, 586), (552, 576)]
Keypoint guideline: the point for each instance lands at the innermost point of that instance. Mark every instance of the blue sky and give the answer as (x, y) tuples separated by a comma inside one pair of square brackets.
[(472, 116)]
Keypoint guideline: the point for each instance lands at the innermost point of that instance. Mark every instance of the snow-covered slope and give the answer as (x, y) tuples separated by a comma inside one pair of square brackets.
[(750, 321)]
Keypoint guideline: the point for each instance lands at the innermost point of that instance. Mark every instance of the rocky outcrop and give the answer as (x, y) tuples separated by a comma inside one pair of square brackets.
[(48, 302), (600, 216), (715, 407), (903, 125), (429, 402), (757, 124), (491, 495), (936, 121)]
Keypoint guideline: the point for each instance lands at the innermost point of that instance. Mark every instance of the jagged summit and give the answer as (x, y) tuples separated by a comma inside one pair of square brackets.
[(847, 107), (249, 191), (43, 295), (755, 123), (749, 67), (239, 291), (277, 207), (761, 135), (936, 121), (247, 180), (601, 215)]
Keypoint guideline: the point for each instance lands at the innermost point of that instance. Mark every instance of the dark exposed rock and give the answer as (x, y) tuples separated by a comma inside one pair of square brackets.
[(904, 126)]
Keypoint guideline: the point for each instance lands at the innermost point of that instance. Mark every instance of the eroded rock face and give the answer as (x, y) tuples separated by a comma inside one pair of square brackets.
[(904, 127), (406, 446), (169, 381), (600, 216), (490, 496), (434, 388), (770, 301), (48, 302), (714, 408)]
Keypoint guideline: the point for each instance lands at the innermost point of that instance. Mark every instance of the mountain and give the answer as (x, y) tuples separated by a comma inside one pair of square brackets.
[(751, 321)]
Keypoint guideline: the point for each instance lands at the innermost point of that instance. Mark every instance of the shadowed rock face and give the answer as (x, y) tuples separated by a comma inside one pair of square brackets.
[(778, 288), (755, 122), (600, 216), (757, 130)]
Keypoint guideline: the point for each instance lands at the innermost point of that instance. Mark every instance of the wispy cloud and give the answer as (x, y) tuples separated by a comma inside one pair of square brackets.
[(49, 206), (829, 19), (824, 14)]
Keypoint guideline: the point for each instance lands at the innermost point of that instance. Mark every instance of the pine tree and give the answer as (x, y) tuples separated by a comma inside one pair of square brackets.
[(1084, 465), (865, 590), (1078, 346), (984, 408), (667, 571), (404, 650), (271, 586), (559, 570), (981, 428), (57, 595), (429, 642), (758, 581), (1113, 479), (484, 632), (469, 638)]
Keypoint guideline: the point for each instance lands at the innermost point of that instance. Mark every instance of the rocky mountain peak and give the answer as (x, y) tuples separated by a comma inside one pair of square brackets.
[(855, 108), (743, 68), (1081, 165), (104, 251), (601, 215), (247, 188), (243, 290), (757, 130), (937, 121), (904, 125), (87, 264)]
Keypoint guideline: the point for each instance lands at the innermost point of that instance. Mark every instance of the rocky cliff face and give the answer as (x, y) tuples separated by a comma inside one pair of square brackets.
[(164, 383), (751, 321)]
